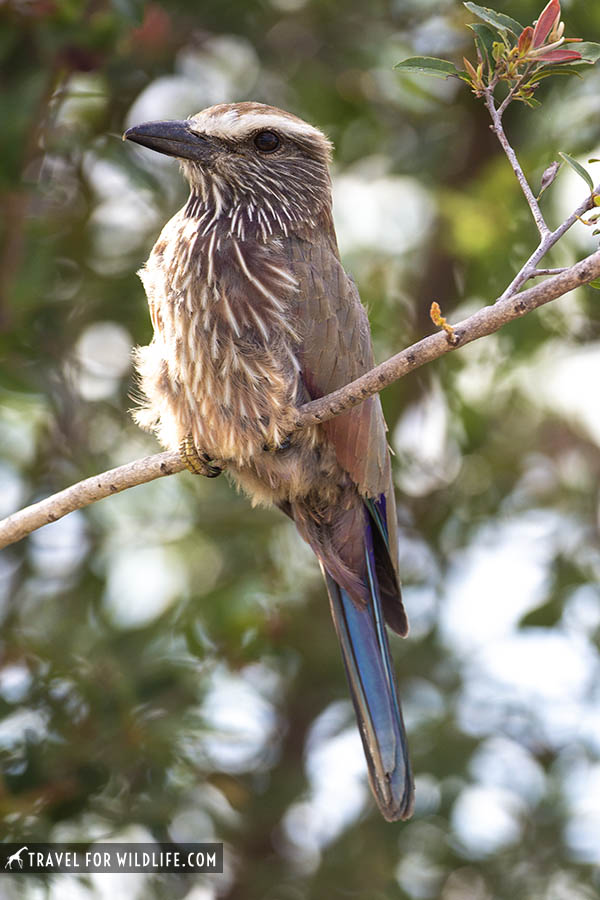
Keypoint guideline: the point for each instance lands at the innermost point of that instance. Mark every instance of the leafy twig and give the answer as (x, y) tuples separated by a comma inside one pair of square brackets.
[(511, 94)]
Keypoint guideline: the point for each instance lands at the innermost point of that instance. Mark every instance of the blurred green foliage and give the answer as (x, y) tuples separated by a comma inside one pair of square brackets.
[(133, 630)]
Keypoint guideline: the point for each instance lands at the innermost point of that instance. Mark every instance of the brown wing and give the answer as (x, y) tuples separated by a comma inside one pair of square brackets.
[(336, 349)]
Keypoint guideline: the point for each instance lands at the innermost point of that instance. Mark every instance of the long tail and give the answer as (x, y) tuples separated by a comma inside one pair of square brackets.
[(365, 651)]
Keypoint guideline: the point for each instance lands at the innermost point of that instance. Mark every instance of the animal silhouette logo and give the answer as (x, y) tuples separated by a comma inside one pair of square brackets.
[(15, 858)]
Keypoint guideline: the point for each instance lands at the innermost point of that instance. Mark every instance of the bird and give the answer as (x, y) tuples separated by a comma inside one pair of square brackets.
[(253, 316)]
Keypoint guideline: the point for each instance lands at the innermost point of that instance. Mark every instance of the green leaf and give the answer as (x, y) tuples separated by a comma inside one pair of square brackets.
[(485, 38), (589, 51), (430, 65), (578, 168), (498, 20), (546, 71), (593, 159), (595, 284)]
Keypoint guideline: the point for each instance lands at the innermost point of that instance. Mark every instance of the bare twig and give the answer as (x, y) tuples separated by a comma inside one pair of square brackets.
[(537, 273), (546, 243), (516, 167), (22, 523), (481, 323)]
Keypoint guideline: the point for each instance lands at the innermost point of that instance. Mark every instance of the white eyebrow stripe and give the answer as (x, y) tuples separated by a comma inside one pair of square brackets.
[(231, 125)]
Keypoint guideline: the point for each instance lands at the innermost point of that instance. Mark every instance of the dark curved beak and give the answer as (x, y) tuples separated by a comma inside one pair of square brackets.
[(172, 138)]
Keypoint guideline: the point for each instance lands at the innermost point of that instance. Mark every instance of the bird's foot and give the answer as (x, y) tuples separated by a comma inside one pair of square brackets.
[(282, 445), (197, 462)]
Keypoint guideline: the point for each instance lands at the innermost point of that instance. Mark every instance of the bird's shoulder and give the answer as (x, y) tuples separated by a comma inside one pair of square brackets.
[(336, 344)]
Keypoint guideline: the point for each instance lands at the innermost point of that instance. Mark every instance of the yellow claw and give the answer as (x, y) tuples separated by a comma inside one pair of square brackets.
[(196, 462)]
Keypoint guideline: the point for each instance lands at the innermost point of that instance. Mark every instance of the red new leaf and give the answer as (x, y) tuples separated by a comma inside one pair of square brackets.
[(525, 39), (544, 25), (558, 56)]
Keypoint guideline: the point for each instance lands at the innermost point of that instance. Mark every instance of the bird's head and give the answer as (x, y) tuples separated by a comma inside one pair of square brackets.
[(265, 164)]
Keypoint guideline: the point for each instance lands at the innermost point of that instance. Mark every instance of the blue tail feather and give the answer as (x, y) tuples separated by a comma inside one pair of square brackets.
[(365, 651), (377, 510)]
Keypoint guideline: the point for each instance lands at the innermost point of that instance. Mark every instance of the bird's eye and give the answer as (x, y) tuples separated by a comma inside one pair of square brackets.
[(266, 141)]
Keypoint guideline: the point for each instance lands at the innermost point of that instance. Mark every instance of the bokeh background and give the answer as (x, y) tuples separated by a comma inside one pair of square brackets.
[(168, 670)]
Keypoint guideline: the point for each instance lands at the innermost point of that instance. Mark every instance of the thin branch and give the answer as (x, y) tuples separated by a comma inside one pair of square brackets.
[(510, 96), (546, 243), (547, 238), (23, 522), (485, 321), (516, 167), (536, 273)]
